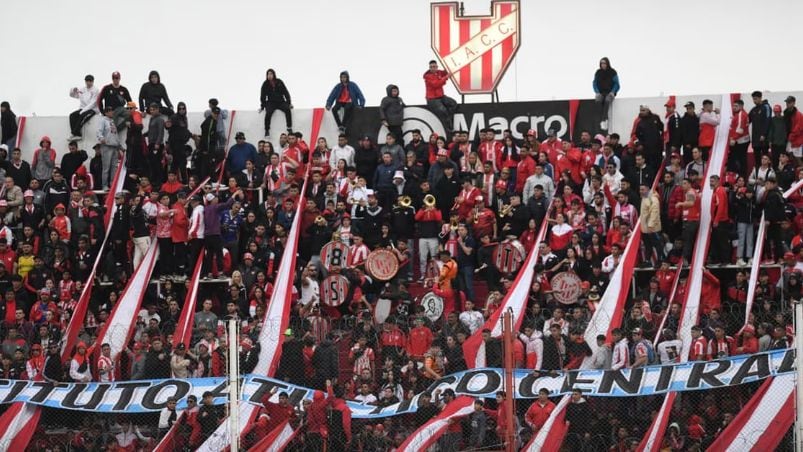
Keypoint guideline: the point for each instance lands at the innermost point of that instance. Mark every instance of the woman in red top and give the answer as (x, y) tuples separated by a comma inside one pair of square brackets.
[(164, 225), (560, 234), (179, 235)]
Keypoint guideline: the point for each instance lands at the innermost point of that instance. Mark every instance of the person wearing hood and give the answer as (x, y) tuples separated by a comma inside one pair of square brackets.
[(116, 96), (439, 103), (325, 362), (344, 96), (391, 111), (8, 124), (577, 415), (178, 137), (606, 86), (87, 106), (154, 92), (274, 96), (109, 139), (80, 370), (44, 160)]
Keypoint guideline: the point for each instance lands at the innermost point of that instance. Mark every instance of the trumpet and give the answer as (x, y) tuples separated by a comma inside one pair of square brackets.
[(406, 201), (429, 201), (505, 209)]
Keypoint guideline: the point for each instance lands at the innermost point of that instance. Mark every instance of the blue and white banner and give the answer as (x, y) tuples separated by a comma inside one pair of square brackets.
[(152, 395)]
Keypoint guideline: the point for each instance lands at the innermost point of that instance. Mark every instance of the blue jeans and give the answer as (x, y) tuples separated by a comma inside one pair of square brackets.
[(744, 247)]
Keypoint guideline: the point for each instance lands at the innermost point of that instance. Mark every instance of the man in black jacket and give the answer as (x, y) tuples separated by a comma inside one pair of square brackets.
[(116, 96), (274, 96), (649, 135), (153, 92), (578, 420), (672, 123), (774, 214), (119, 233), (554, 349), (157, 361), (493, 349), (760, 117), (8, 122), (325, 363), (689, 131)]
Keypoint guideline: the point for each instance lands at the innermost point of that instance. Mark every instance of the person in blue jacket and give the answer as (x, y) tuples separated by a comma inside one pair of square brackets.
[(345, 96), (606, 86)]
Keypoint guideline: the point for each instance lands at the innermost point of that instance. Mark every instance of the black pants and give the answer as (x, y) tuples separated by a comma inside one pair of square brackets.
[(397, 133), (774, 241), (653, 241), (214, 252), (314, 443), (178, 164), (272, 107), (444, 108), (759, 149), (721, 246), (166, 254), (348, 113), (687, 153), (737, 158), (180, 258), (120, 254), (195, 247), (155, 167), (689, 236), (706, 151), (78, 119), (775, 153)]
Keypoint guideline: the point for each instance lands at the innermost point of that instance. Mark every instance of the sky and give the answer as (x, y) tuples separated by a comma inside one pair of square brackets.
[(222, 49)]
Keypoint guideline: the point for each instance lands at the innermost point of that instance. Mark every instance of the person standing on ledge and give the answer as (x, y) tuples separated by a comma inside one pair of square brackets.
[(606, 86), (274, 96)]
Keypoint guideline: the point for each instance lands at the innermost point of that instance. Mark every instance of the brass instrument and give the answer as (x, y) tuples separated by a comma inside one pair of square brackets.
[(505, 210), (453, 224), (319, 218), (405, 201), (429, 201)]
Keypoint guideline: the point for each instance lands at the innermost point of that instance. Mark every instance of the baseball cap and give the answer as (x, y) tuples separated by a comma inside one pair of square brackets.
[(689, 104), (209, 197), (369, 192), (443, 153), (790, 99), (116, 74), (89, 78), (239, 135), (532, 133), (28, 193), (637, 331), (788, 255)]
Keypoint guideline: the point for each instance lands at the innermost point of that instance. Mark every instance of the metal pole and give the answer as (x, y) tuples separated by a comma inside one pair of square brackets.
[(799, 364), (234, 376), (507, 333)]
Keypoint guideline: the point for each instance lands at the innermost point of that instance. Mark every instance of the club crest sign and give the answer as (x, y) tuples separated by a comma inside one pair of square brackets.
[(476, 50)]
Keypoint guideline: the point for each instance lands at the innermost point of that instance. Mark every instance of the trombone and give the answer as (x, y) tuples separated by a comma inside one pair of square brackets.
[(429, 200), (504, 210), (405, 201)]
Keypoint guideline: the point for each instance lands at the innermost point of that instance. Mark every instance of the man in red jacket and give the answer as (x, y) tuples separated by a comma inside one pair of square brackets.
[(739, 139), (419, 340), (794, 125), (722, 249), (441, 105)]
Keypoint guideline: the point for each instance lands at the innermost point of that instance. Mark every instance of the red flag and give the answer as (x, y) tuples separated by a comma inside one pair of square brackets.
[(276, 440), (516, 299), (553, 432), (761, 424), (18, 425), (183, 333)]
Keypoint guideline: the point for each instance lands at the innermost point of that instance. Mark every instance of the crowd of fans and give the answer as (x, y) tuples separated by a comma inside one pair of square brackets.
[(441, 205)]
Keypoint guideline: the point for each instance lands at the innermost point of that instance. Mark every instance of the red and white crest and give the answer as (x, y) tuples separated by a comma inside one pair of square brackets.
[(476, 50)]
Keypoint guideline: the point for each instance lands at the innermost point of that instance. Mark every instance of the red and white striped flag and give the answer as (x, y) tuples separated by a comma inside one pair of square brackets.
[(117, 330), (763, 422), (183, 333), (691, 306), (18, 425), (277, 317), (276, 440), (432, 430), (516, 300)]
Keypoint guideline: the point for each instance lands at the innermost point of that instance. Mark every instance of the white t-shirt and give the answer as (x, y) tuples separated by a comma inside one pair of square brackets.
[(365, 399), (473, 320), (310, 292), (669, 351)]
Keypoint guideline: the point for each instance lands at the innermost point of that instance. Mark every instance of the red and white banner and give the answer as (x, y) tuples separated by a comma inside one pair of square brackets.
[(516, 300), (429, 433), (118, 328), (277, 317), (18, 425), (476, 50), (183, 333), (691, 306), (276, 440), (763, 421), (610, 309)]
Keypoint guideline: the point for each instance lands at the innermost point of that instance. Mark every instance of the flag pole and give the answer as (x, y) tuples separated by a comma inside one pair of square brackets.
[(507, 331), (799, 368), (234, 372)]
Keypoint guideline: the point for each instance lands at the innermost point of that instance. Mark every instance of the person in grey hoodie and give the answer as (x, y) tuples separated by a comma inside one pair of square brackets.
[(391, 111), (395, 150), (109, 141), (222, 125), (156, 139)]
